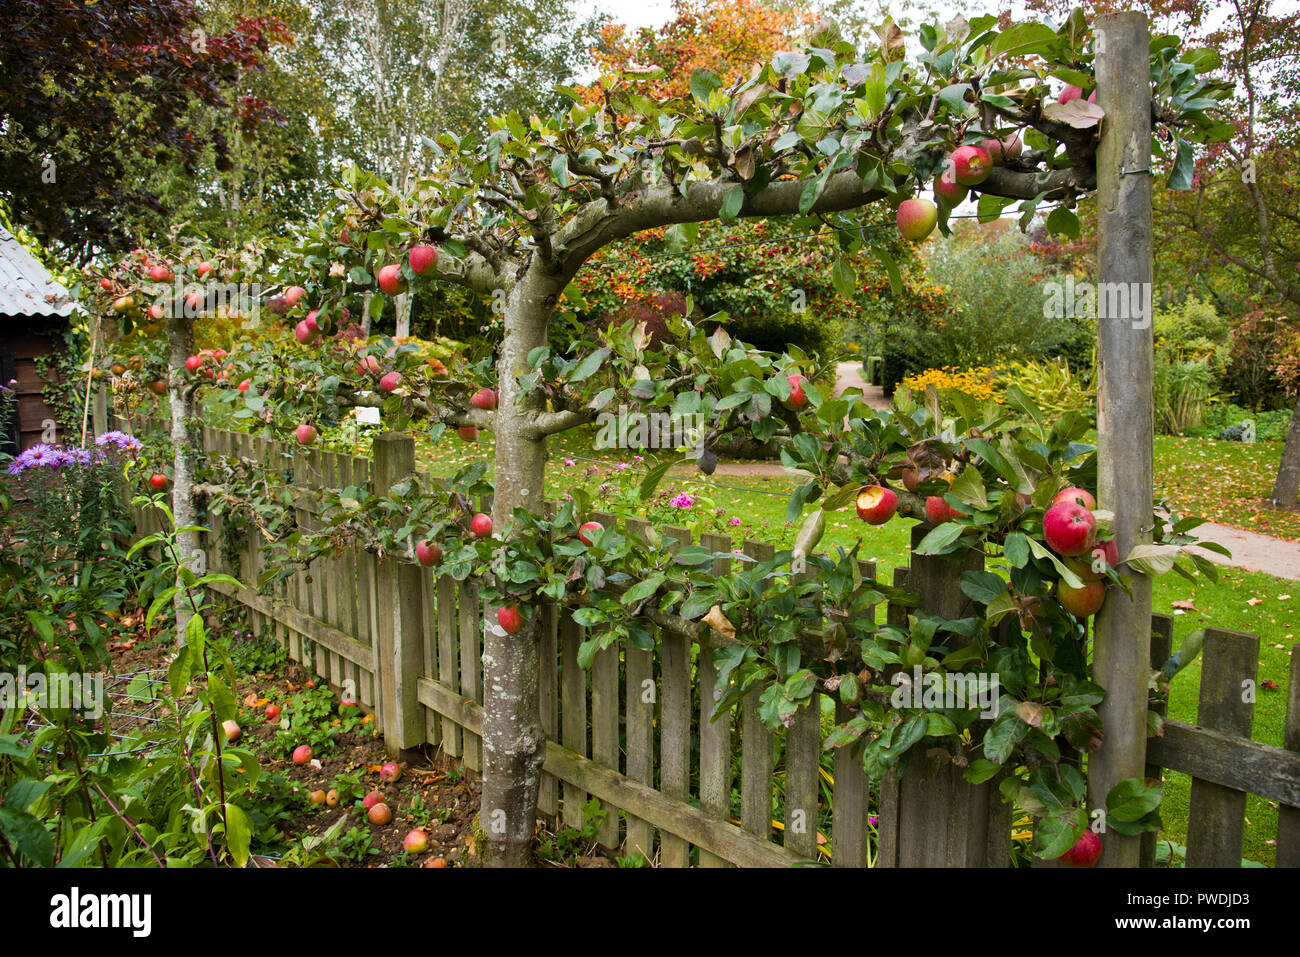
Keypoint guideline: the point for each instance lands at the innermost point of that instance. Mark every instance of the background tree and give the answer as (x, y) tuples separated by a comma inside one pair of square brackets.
[(91, 95)]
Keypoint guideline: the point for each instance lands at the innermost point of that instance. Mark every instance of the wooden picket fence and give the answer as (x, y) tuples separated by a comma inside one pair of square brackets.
[(634, 731)]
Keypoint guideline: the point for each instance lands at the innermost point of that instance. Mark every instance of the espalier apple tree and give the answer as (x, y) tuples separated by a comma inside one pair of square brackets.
[(818, 134)]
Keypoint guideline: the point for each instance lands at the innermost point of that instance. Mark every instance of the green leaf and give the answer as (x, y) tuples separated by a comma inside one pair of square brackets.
[(1132, 799), (980, 770), (1180, 177), (588, 366), (223, 699), (653, 478), (239, 833), (939, 539), (732, 201), (703, 83), (178, 673), (560, 169), (25, 832), (1064, 221), (843, 277), (891, 267)]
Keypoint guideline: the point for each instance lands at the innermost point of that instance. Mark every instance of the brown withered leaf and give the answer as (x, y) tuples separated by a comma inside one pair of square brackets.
[(719, 622)]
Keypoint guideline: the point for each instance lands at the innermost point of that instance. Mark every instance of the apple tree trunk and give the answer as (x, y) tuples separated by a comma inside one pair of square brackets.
[(513, 739), (1287, 487), (181, 400)]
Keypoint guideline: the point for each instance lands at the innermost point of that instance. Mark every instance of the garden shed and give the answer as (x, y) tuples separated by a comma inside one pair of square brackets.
[(34, 310)]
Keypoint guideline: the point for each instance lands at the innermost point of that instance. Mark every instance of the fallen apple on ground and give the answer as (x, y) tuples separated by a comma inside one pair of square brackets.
[(390, 771), (272, 712), (231, 729), (373, 798), (317, 797), (331, 798), (380, 815), (302, 754), (415, 842)]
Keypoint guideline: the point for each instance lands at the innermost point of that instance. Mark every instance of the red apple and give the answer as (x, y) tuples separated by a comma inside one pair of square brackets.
[(204, 268), (243, 386), (390, 280), (484, 399), (936, 510), (1107, 550), (588, 532), (231, 729), (156, 312), (797, 399), (1086, 850), (272, 712), (306, 434), (510, 619), (368, 364), (1078, 495), (1002, 150), (1069, 528), (304, 332), (427, 553), (390, 381), (415, 842), (468, 432), (390, 771), (916, 218), (911, 478), (195, 299), (877, 504), (157, 482), (373, 798), (422, 259), (948, 188), (1081, 602), (971, 165), (193, 363), (161, 273), (106, 283), (481, 525), (302, 754), (158, 387), (293, 294), (316, 797), (380, 815)]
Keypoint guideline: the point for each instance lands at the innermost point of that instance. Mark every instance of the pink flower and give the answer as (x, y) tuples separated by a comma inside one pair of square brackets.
[(638, 458), (569, 463), (682, 501), (735, 520)]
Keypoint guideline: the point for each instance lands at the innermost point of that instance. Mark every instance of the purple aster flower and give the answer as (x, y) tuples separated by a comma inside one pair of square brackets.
[(569, 463), (735, 520), (682, 501)]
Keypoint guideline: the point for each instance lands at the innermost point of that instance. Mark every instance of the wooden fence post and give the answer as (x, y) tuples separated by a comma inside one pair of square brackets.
[(399, 655), (941, 820), (1122, 644), (1288, 818), (1216, 814)]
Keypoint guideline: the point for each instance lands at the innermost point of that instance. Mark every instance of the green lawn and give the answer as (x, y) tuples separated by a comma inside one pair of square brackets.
[(1240, 600), (1225, 482)]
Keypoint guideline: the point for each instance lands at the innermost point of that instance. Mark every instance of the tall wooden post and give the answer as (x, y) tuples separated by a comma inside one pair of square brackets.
[(1122, 642)]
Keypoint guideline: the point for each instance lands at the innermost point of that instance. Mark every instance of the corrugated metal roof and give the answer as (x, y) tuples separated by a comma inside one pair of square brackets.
[(26, 288)]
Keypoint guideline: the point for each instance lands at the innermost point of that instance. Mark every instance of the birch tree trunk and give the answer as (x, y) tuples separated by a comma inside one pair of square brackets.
[(180, 395)]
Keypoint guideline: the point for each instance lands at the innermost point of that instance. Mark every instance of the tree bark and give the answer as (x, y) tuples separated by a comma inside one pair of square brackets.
[(513, 738), (1287, 487), (180, 395)]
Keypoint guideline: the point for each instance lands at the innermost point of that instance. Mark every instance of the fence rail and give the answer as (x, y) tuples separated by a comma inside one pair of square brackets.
[(635, 731)]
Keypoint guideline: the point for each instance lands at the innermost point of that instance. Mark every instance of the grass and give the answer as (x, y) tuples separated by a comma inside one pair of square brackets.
[(1225, 482)]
